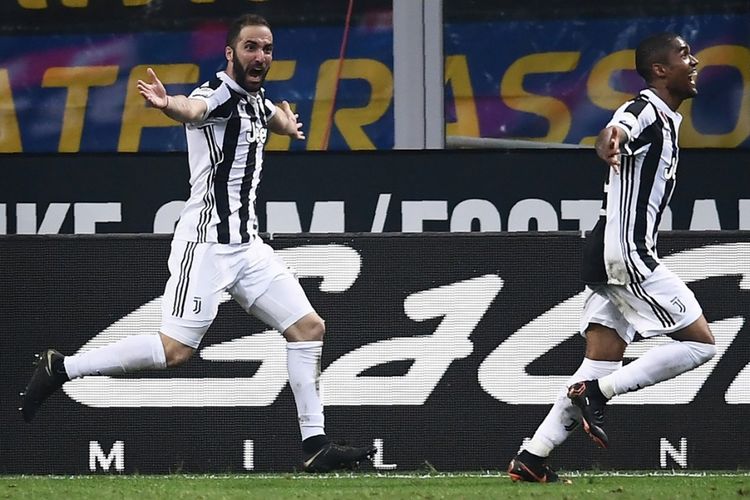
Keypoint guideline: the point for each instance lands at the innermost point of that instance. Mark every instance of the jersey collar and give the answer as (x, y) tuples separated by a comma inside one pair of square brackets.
[(657, 101)]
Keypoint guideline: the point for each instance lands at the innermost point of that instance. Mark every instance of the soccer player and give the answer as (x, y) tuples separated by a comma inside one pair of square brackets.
[(216, 246), (629, 290)]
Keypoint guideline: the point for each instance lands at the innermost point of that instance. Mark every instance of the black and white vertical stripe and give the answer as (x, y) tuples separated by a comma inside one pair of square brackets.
[(183, 280), (225, 152), (247, 179), (635, 200), (209, 197), (661, 313), (222, 187)]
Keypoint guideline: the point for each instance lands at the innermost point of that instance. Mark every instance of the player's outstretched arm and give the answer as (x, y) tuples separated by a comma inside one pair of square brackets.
[(284, 122), (177, 107), (608, 144)]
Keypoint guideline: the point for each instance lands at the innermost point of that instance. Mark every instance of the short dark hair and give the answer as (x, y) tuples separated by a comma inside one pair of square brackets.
[(654, 49), (241, 22)]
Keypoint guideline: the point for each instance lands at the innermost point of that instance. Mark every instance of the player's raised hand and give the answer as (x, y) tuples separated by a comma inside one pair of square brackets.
[(154, 92), (294, 127), (608, 146)]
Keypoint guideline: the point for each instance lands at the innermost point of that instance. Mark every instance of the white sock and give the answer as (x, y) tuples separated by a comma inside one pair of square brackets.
[(658, 364), (131, 354), (303, 365), (551, 433)]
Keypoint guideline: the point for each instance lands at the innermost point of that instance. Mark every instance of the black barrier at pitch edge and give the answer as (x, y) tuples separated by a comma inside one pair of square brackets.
[(440, 348), (329, 192)]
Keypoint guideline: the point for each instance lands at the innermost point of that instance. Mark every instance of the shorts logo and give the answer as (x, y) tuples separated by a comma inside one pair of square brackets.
[(677, 302), (196, 305)]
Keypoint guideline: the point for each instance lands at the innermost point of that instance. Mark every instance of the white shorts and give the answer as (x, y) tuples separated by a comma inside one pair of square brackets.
[(660, 305), (253, 274)]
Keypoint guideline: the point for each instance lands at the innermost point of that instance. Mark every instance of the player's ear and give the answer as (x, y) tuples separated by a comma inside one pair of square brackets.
[(659, 70), (228, 53)]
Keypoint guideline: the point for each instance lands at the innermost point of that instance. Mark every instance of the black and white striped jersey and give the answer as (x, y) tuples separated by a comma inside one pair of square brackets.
[(225, 153), (622, 247)]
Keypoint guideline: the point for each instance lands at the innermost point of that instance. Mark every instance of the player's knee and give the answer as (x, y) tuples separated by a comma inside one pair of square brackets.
[(310, 328), (708, 336), (178, 354), (314, 329), (179, 358), (320, 329), (698, 331)]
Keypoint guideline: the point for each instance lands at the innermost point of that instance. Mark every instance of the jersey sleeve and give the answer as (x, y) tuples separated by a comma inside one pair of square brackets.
[(270, 108), (218, 102), (633, 117)]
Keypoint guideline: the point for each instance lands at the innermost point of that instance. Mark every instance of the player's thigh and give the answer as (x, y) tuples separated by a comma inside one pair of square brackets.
[(601, 314), (660, 305), (697, 331), (283, 304), (193, 292), (269, 291), (604, 344)]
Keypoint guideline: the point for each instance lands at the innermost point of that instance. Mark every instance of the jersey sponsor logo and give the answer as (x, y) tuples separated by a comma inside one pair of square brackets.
[(455, 308), (257, 133), (671, 171)]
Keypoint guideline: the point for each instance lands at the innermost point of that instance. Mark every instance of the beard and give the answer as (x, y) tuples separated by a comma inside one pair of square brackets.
[(240, 76)]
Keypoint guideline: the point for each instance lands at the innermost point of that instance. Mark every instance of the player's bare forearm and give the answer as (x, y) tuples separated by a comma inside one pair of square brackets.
[(183, 109), (608, 144), (177, 107), (284, 122)]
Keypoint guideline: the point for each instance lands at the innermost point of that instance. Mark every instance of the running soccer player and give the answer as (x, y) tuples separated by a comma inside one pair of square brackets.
[(216, 246), (629, 290)]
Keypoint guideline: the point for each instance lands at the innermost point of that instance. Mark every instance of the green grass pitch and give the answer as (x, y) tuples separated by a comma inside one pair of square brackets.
[(386, 486)]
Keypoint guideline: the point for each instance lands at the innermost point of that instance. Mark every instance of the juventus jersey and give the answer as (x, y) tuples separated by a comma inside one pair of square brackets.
[(622, 247), (225, 153)]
